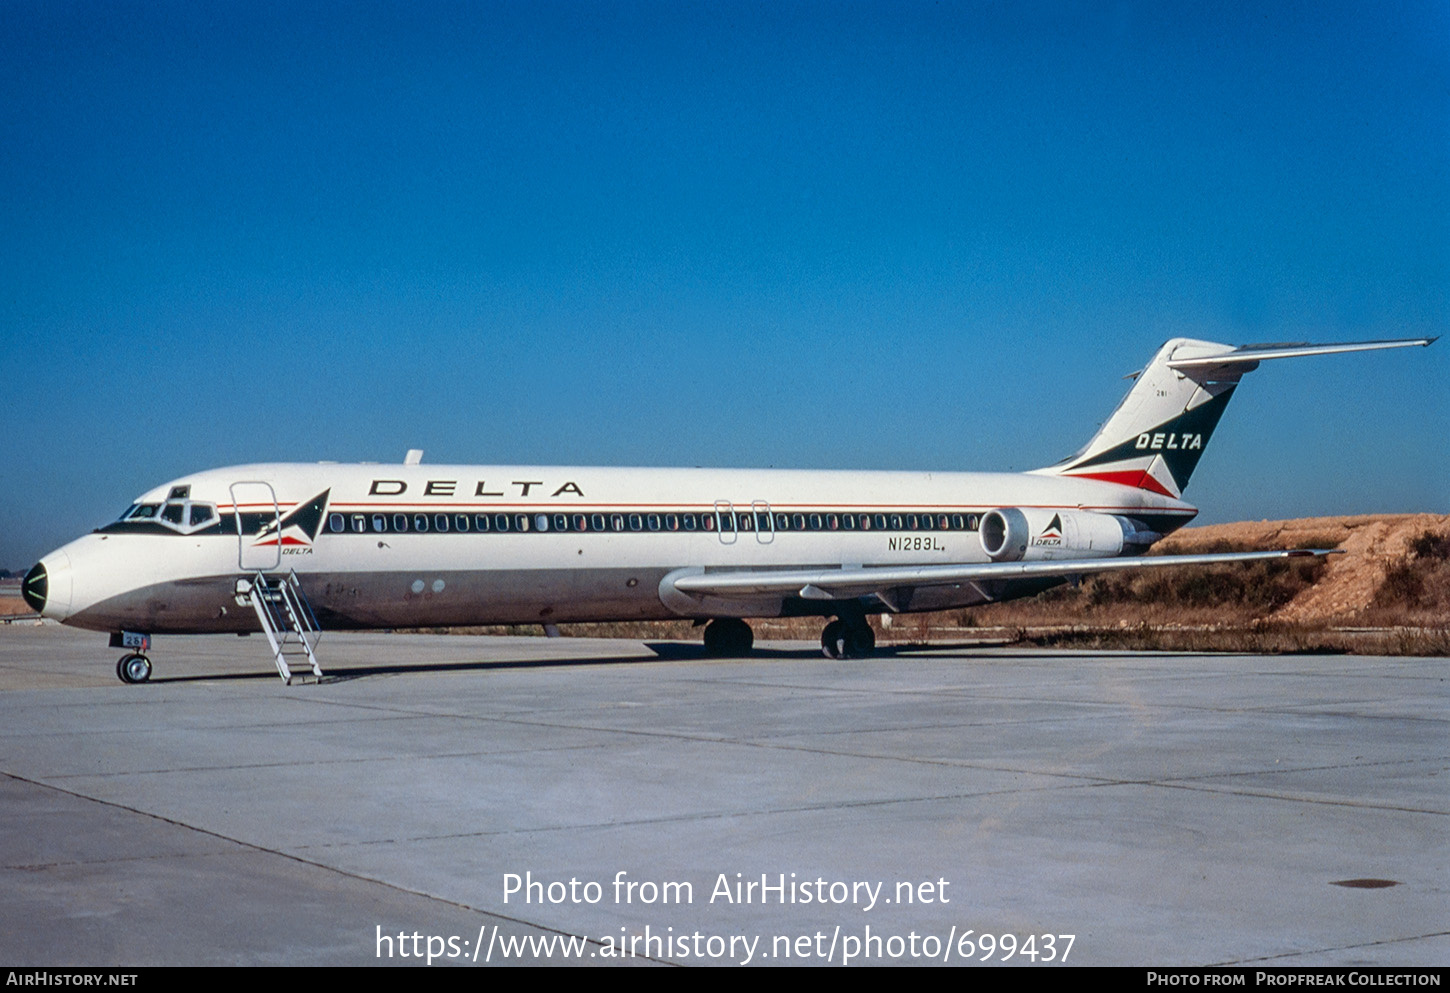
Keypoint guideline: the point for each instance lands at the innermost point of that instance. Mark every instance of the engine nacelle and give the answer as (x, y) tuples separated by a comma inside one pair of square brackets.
[(1013, 534), (1005, 534)]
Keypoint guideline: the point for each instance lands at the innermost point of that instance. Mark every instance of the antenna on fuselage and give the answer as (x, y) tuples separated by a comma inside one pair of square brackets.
[(414, 456)]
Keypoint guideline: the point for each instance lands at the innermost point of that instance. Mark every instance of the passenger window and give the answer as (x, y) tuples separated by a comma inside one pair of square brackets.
[(616, 523), (460, 522), (501, 522), (359, 523), (815, 520), (636, 523), (440, 521), (521, 522), (689, 521), (848, 521), (707, 522), (597, 522), (480, 522), (672, 522), (420, 522), (541, 522), (958, 523), (799, 521), (335, 523), (561, 522), (747, 522), (380, 523), (653, 521), (400, 522), (581, 523), (896, 522), (926, 522), (833, 522), (942, 523)]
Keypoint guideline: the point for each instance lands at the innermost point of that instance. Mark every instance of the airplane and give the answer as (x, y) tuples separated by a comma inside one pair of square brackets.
[(327, 546)]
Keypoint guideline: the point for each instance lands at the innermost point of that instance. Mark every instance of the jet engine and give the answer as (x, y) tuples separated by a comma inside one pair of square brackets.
[(1013, 534)]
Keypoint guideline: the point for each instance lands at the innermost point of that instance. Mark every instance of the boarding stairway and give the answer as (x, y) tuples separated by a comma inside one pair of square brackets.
[(287, 620)]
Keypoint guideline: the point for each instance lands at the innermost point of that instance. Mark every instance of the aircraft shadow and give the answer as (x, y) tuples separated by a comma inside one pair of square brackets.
[(659, 652)]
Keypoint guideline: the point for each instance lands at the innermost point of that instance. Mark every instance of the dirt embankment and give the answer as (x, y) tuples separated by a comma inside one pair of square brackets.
[(1373, 545)]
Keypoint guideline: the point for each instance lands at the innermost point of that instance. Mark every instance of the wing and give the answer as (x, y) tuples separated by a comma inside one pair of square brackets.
[(848, 583)]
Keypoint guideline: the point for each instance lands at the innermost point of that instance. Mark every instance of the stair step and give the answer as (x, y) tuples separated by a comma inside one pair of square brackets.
[(287, 619)]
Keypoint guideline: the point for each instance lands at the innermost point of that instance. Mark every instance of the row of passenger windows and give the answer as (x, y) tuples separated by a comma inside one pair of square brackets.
[(720, 521)]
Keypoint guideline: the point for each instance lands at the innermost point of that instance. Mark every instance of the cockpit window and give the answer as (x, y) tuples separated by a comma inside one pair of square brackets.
[(181, 515)]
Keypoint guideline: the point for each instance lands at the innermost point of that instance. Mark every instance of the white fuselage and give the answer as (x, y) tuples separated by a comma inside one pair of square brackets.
[(380, 546)]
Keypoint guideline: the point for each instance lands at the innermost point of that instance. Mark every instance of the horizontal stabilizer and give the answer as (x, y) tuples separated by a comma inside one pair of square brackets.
[(1247, 355)]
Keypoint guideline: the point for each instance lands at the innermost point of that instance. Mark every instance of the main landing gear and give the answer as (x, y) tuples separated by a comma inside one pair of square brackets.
[(728, 636), (848, 637), (134, 668)]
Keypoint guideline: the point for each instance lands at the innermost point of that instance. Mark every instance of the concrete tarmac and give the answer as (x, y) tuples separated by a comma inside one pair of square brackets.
[(926, 805)]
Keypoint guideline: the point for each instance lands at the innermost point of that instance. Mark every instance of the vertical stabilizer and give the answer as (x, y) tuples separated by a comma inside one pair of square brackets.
[(1155, 437)]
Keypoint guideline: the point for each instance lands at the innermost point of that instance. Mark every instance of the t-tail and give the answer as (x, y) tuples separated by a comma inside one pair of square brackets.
[(1155, 437)]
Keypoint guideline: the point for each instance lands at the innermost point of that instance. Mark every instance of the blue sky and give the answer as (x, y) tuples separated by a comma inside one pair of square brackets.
[(830, 234)]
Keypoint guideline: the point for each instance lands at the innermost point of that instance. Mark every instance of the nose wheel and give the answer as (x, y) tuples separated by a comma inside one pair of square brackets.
[(134, 668)]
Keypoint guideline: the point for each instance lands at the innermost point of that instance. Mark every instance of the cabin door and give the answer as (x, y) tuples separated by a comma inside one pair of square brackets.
[(725, 522), (259, 534), (764, 521)]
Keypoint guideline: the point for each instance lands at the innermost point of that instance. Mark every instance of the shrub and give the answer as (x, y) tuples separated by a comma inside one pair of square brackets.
[(1430, 545), (1402, 587)]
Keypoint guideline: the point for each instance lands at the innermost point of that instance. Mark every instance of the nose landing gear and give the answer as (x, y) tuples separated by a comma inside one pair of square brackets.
[(133, 668)]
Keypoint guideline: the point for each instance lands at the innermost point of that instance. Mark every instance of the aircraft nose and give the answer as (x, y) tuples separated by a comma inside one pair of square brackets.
[(46, 586)]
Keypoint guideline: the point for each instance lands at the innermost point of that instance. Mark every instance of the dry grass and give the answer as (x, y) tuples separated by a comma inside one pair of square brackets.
[(14, 607), (1416, 589)]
